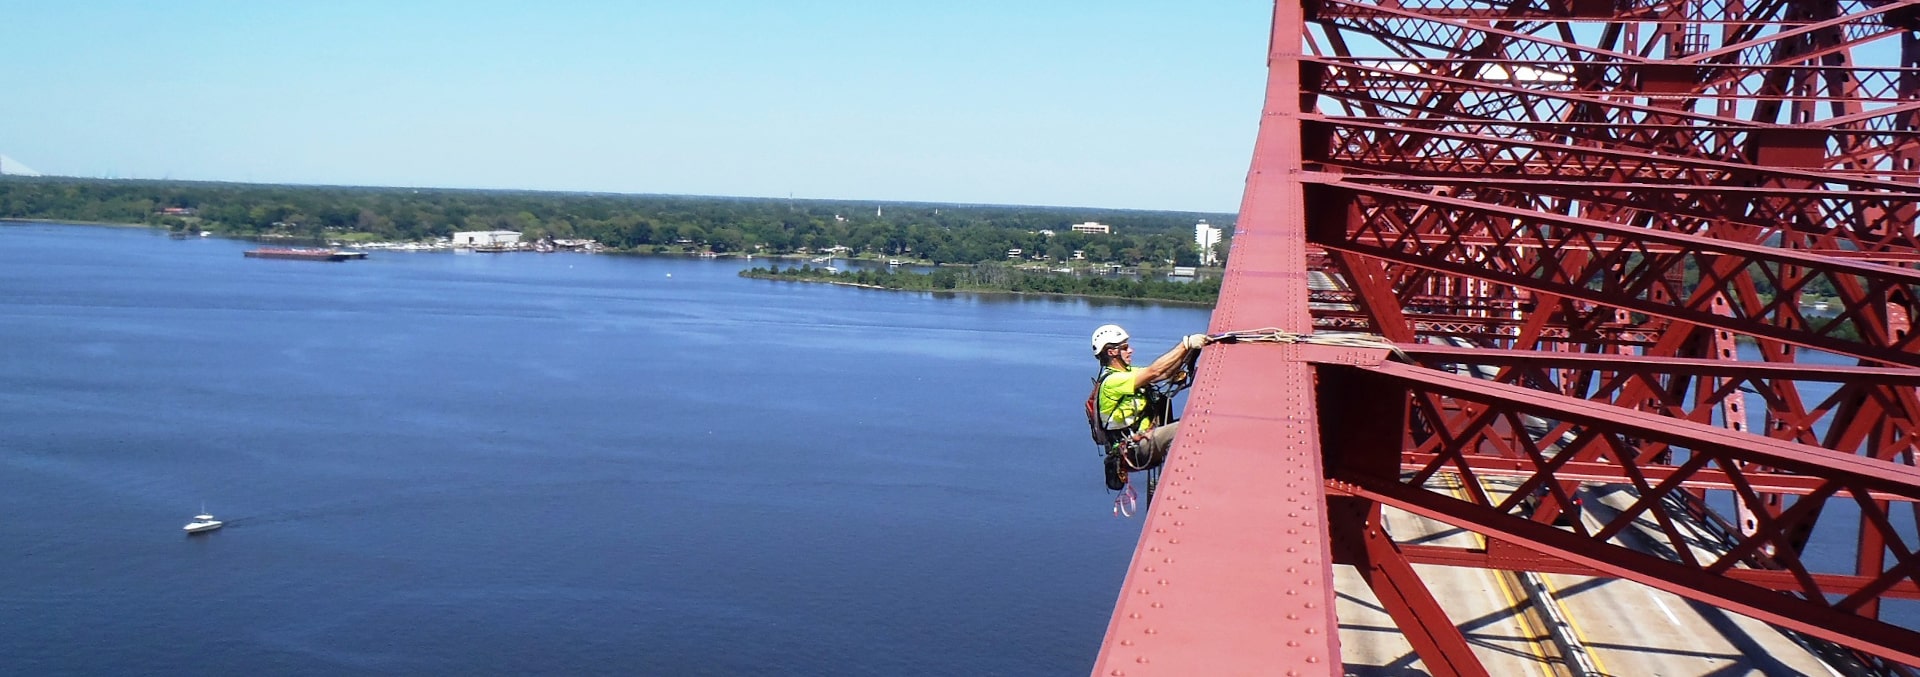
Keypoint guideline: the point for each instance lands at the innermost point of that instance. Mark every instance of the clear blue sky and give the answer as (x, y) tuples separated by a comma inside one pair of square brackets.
[(1140, 105)]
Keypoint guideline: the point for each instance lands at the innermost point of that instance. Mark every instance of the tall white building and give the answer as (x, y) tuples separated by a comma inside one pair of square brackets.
[(1093, 227), (1206, 237)]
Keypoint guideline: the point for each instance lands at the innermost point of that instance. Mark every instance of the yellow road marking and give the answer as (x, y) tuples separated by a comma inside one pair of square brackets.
[(1535, 634), (1574, 627)]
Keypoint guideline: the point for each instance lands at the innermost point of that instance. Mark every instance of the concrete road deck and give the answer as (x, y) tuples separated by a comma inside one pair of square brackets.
[(1628, 630)]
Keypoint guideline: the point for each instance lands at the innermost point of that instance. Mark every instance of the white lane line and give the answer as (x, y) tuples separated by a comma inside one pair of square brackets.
[(1664, 609)]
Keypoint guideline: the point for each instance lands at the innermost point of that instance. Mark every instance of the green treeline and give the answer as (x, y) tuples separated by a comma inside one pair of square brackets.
[(999, 277), (937, 233)]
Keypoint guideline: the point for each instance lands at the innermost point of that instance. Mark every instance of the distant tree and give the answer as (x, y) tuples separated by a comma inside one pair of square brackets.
[(728, 240)]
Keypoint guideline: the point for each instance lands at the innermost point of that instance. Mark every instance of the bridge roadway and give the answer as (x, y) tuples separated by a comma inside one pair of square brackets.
[(1626, 629)]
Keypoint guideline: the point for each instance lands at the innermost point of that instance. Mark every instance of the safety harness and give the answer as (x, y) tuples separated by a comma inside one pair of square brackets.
[(1121, 447)]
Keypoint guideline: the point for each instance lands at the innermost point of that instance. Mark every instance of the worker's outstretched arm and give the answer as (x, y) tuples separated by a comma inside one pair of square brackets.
[(1164, 366)]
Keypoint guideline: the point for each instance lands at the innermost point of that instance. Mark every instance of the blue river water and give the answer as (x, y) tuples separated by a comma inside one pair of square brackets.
[(474, 464)]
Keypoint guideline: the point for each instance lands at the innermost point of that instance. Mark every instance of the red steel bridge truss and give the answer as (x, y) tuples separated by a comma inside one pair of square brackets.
[(1668, 246)]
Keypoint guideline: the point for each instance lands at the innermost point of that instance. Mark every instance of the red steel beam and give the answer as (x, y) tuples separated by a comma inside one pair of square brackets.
[(1611, 473), (1621, 278), (1591, 204), (1516, 559), (1691, 366), (1707, 581), (1234, 572), (1719, 590)]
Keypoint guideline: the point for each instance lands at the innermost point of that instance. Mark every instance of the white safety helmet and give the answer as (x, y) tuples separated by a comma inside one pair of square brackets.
[(1107, 334)]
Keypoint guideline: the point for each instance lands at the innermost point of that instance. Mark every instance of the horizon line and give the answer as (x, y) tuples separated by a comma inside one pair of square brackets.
[(605, 193)]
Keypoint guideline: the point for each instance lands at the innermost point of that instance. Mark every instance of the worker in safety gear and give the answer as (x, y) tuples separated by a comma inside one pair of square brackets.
[(1134, 423)]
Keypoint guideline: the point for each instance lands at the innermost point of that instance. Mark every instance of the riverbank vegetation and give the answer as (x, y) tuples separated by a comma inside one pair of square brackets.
[(997, 277), (912, 232), (921, 232)]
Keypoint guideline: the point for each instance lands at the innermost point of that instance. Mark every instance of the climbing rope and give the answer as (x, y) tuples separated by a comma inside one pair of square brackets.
[(1127, 502), (1346, 339)]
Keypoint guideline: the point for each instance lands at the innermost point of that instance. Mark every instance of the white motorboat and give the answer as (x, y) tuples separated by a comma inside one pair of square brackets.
[(202, 522)]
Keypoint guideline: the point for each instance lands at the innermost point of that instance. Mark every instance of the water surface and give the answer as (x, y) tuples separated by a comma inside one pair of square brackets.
[(438, 463)]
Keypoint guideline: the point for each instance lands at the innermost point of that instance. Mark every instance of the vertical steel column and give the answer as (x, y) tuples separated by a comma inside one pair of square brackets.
[(1233, 573)]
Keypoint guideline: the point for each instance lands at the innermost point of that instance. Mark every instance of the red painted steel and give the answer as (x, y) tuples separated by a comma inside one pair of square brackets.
[(1661, 248), (1234, 573)]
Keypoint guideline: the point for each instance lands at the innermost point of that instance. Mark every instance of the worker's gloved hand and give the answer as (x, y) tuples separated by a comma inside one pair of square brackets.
[(1194, 341)]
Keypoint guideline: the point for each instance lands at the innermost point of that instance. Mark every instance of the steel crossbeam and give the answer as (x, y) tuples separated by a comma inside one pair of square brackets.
[(1625, 269), (1661, 251), (1614, 434)]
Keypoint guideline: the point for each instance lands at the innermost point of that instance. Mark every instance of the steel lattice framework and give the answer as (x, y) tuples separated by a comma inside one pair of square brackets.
[(1663, 245)]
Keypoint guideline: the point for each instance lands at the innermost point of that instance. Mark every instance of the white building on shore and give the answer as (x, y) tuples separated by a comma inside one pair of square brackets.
[(485, 238), (1206, 237)]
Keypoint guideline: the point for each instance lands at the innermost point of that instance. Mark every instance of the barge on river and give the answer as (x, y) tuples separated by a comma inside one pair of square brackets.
[(304, 254)]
